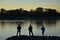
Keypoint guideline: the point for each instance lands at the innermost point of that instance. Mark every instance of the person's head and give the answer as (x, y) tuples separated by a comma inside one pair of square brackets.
[(18, 24), (42, 25), (30, 25)]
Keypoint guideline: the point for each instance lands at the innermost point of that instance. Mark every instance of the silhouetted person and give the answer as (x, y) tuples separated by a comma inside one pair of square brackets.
[(18, 30), (43, 30), (30, 30)]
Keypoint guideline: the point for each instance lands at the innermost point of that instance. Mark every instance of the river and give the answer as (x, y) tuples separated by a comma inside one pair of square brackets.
[(8, 28)]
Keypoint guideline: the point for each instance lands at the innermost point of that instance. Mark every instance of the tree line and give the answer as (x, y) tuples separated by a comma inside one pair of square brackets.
[(38, 13)]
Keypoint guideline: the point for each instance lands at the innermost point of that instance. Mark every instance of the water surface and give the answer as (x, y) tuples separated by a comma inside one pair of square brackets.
[(8, 28)]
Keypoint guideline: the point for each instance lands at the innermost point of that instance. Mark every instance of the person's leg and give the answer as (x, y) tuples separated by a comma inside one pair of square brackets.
[(43, 34), (29, 33), (17, 33), (32, 33)]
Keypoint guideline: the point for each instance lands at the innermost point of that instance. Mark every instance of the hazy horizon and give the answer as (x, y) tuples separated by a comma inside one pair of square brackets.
[(29, 4)]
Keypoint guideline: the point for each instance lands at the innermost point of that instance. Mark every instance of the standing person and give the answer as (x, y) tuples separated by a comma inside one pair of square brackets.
[(18, 30), (30, 30), (43, 30)]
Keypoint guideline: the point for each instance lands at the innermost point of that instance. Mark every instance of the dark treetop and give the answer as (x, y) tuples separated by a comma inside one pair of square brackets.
[(21, 14)]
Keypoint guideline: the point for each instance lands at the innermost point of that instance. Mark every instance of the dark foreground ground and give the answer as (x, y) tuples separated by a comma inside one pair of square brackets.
[(23, 37)]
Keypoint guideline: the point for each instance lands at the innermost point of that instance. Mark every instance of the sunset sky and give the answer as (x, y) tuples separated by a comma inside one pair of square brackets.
[(29, 4)]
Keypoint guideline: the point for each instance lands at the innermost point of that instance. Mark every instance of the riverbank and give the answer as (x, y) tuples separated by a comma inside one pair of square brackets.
[(24, 37)]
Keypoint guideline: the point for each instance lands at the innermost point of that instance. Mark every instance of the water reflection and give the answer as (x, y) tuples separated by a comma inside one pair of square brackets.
[(50, 23), (37, 23), (2, 24)]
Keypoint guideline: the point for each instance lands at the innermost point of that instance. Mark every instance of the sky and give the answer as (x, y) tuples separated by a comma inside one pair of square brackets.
[(30, 4)]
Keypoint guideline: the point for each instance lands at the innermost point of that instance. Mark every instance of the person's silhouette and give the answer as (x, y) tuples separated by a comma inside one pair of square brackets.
[(43, 30), (30, 30), (18, 30)]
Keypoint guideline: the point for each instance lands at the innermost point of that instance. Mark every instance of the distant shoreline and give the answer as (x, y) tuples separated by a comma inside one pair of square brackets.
[(21, 14)]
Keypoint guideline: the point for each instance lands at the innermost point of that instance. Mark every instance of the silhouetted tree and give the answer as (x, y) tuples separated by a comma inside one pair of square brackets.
[(39, 10), (39, 13), (3, 10)]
